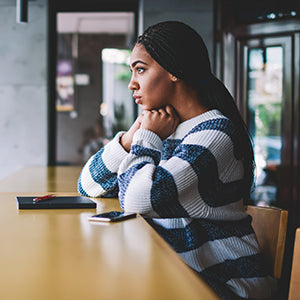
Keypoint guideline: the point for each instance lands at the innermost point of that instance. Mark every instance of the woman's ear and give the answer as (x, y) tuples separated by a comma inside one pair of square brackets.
[(174, 78)]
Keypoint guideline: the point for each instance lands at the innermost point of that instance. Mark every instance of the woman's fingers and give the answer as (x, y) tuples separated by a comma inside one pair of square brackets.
[(171, 111), (162, 121), (162, 111)]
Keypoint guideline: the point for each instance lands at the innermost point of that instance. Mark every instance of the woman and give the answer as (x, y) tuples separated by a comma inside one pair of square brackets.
[(186, 164)]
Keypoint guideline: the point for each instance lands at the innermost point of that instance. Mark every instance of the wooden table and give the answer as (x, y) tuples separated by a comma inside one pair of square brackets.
[(59, 254), (41, 180)]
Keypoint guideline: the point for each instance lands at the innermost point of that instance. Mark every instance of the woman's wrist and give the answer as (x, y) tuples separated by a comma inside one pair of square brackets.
[(124, 142)]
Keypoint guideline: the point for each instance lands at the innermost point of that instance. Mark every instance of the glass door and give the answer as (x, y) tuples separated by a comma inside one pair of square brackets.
[(264, 95), (268, 107), (83, 78)]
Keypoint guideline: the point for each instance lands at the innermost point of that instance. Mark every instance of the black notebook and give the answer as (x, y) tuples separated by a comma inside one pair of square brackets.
[(57, 202)]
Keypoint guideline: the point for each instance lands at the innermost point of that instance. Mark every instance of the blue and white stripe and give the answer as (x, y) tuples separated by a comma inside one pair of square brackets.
[(99, 175)]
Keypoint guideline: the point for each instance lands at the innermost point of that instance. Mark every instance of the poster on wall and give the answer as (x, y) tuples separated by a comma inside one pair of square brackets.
[(64, 85)]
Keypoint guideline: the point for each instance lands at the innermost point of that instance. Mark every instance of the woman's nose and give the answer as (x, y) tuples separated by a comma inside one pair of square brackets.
[(133, 85)]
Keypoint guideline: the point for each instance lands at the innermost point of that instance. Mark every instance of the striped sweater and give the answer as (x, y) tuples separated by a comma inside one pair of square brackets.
[(189, 188)]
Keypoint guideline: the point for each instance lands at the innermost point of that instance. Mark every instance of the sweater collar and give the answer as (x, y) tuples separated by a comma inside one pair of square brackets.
[(186, 126)]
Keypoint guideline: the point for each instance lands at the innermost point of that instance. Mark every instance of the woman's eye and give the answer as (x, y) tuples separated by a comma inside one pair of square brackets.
[(140, 70)]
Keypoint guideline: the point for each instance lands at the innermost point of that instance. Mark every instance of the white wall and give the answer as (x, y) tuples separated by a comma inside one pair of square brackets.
[(23, 87)]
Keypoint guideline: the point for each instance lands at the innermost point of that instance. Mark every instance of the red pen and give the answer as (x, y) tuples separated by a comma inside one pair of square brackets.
[(47, 197)]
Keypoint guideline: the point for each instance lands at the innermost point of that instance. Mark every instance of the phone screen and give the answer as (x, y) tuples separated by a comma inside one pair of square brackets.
[(112, 216)]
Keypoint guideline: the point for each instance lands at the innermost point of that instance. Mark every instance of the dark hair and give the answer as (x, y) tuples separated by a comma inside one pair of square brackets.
[(181, 51)]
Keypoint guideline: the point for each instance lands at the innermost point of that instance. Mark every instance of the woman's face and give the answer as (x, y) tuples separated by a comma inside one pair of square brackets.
[(151, 84)]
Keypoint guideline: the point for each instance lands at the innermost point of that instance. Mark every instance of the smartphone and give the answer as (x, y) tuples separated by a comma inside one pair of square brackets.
[(112, 216)]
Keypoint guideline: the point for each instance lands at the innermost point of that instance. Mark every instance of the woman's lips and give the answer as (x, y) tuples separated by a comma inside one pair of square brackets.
[(138, 99)]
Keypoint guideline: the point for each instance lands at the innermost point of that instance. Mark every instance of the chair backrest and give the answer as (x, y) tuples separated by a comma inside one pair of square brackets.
[(270, 227), (294, 291)]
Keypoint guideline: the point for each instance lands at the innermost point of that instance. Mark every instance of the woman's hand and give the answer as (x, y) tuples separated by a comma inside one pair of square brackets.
[(127, 137), (163, 121)]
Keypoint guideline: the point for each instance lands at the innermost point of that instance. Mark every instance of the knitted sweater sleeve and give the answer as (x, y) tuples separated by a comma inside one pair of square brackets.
[(99, 175), (201, 179)]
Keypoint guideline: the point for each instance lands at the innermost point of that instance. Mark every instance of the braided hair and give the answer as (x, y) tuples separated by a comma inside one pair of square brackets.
[(181, 51)]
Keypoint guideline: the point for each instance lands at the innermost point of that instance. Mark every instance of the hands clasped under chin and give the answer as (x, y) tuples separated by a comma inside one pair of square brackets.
[(163, 121)]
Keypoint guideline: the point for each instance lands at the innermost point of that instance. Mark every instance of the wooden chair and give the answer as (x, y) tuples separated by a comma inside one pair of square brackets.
[(270, 226), (294, 291)]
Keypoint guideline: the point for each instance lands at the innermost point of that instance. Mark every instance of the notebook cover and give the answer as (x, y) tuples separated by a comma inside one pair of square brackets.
[(57, 202)]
